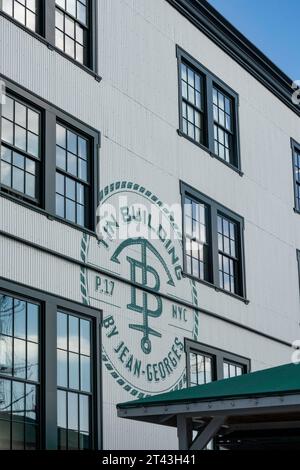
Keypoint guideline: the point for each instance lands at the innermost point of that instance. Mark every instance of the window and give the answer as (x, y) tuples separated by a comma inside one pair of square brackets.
[(19, 373), (60, 400), (206, 364), (213, 243), (208, 111), (232, 370), (223, 137), (74, 381), (192, 103), (71, 175), (71, 28), (201, 369), (20, 148), (296, 171), (197, 247), (24, 11), (67, 26), (228, 249), (48, 159)]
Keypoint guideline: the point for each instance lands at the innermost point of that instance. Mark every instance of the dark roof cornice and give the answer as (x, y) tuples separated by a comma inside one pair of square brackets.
[(209, 21)]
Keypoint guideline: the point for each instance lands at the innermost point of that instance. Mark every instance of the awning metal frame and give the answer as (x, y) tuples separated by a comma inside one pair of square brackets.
[(215, 414)]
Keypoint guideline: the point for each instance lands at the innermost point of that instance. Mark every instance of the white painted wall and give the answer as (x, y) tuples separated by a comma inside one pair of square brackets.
[(136, 109)]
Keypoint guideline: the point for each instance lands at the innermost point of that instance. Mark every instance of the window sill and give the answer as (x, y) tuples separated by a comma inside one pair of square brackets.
[(213, 155), (229, 165), (216, 288), (51, 46), (49, 216)]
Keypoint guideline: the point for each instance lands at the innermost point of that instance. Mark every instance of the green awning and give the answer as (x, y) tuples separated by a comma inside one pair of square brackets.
[(283, 379)]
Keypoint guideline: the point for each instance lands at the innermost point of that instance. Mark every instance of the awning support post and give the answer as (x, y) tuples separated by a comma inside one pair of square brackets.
[(184, 432)]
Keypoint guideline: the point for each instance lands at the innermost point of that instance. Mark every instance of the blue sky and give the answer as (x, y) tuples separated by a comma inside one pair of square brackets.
[(272, 25)]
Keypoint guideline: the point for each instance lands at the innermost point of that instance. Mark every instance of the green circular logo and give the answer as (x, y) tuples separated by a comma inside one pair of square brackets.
[(143, 331)]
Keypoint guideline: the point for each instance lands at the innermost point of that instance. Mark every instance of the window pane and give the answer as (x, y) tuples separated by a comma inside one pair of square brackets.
[(84, 422), (73, 334), (5, 355), (7, 131), (5, 400), (20, 138), (32, 361), (74, 371), (32, 322), (62, 331), (18, 436), (30, 185), (70, 211), (32, 144), (6, 315), (61, 136), (85, 374), (19, 319), (62, 409), (73, 421), (31, 403), (70, 189), (19, 358), (85, 337), (21, 114), (62, 419), (4, 435), (62, 368), (60, 206), (31, 437), (18, 401), (208, 370), (33, 121)]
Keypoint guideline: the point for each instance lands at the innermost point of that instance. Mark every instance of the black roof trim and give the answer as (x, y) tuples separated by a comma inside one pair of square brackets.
[(208, 20)]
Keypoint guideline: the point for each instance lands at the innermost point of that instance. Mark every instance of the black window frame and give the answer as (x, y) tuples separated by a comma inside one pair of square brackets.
[(50, 304), (37, 159), (298, 263), (210, 81), (295, 149), (219, 356), (46, 33), (215, 209), (50, 115)]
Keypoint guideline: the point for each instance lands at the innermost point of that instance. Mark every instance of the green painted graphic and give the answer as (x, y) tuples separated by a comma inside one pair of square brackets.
[(143, 334)]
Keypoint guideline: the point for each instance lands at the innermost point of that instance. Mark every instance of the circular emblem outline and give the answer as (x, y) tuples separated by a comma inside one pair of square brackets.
[(106, 193)]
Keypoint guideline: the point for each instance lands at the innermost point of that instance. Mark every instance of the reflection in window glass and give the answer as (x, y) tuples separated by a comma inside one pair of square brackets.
[(196, 238), (19, 373), (232, 370), (201, 369), (74, 381)]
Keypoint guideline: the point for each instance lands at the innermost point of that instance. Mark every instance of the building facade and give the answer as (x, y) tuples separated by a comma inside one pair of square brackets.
[(140, 107)]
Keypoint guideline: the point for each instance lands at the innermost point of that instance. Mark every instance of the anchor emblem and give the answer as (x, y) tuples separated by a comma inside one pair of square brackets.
[(144, 275)]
